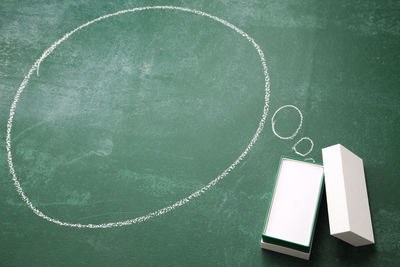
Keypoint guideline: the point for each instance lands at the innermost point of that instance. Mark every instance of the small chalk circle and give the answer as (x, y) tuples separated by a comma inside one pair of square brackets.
[(298, 127), (301, 140)]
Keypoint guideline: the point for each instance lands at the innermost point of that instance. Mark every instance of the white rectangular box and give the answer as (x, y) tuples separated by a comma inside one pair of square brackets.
[(290, 222), (347, 198)]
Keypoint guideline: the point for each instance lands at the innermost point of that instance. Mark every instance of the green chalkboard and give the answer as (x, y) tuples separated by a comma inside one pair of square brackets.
[(160, 120)]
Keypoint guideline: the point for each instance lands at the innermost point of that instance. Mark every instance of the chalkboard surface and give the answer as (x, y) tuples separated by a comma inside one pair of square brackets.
[(136, 112)]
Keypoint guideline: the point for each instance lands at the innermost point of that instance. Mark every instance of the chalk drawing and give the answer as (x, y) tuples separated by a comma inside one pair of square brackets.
[(295, 133), (178, 203), (298, 128), (301, 140)]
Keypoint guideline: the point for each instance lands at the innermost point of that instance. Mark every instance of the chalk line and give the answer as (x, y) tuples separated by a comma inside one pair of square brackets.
[(298, 128), (298, 142), (179, 203)]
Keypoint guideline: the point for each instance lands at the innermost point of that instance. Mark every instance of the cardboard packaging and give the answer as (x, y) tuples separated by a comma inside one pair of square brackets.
[(347, 198), (290, 222)]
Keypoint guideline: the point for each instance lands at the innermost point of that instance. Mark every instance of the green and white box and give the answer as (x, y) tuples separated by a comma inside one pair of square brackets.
[(347, 197), (290, 223)]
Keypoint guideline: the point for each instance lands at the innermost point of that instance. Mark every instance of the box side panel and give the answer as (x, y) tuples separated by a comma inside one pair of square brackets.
[(335, 190), (284, 250), (357, 196)]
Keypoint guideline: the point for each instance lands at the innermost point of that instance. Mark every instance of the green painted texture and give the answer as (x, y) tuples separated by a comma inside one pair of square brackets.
[(135, 112)]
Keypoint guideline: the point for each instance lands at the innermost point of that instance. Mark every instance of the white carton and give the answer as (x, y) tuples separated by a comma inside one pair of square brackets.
[(290, 222), (347, 198)]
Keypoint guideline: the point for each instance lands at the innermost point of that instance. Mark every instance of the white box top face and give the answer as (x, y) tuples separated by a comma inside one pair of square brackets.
[(295, 201)]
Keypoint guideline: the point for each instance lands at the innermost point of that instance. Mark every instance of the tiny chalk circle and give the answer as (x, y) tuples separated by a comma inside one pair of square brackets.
[(301, 140)]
